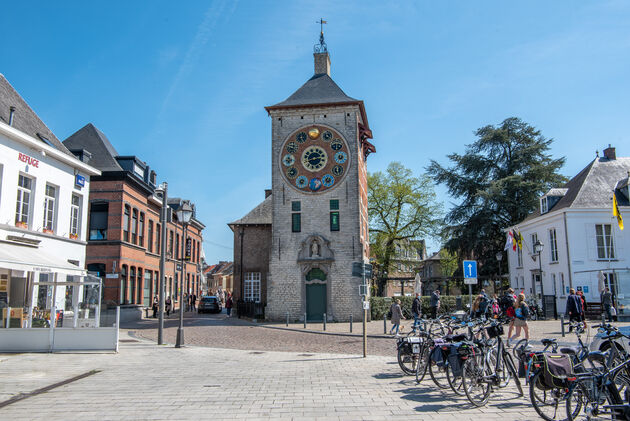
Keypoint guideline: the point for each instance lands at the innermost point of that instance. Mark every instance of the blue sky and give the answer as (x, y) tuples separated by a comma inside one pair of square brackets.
[(182, 85)]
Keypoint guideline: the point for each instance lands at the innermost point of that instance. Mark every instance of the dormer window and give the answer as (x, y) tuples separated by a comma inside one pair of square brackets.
[(138, 170), (544, 208)]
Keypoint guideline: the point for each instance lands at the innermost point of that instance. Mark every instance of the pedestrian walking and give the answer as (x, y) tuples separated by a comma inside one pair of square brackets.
[(193, 302), (476, 308), (580, 294), (508, 301), (521, 313), (396, 316), (155, 306), (495, 306), (435, 303), (228, 305), (606, 300), (415, 311), (168, 305), (575, 308)]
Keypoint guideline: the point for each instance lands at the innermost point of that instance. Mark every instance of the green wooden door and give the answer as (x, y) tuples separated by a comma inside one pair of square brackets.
[(315, 301)]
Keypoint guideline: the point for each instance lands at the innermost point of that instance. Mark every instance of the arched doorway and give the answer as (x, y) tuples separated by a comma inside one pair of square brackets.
[(315, 294)]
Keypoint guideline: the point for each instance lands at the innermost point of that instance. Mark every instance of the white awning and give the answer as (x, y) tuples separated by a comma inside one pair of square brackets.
[(35, 260)]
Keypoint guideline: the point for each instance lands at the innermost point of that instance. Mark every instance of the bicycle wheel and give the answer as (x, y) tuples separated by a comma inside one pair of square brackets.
[(423, 363), (511, 368), (407, 360), (502, 372), (455, 382), (438, 374), (548, 403), (477, 390), (517, 350), (579, 398)]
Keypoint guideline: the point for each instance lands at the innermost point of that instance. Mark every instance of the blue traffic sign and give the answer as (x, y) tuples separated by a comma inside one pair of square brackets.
[(470, 268)]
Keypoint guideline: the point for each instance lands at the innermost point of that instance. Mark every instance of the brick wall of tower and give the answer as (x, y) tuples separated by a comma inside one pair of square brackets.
[(286, 288)]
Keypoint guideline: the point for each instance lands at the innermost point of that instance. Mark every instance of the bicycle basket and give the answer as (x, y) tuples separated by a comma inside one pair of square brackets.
[(495, 331)]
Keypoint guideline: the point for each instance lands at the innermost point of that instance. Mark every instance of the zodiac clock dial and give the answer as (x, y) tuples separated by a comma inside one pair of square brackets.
[(314, 159)]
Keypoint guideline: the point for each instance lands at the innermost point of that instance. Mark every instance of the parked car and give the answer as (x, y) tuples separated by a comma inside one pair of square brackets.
[(209, 304), (598, 343)]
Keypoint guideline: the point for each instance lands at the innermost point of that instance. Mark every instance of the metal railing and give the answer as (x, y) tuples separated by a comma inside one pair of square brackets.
[(250, 309)]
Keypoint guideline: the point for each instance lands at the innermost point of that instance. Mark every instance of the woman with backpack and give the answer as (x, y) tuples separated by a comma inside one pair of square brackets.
[(521, 313)]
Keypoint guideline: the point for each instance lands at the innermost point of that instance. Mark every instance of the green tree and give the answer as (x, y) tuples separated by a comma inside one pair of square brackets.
[(400, 207), (498, 181)]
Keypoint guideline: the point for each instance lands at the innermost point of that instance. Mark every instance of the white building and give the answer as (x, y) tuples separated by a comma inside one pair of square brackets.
[(43, 220), (581, 239)]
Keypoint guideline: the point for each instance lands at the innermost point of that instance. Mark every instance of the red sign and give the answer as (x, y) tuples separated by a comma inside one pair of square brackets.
[(29, 160)]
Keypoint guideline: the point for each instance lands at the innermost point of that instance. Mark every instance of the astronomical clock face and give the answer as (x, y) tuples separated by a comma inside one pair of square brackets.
[(314, 159)]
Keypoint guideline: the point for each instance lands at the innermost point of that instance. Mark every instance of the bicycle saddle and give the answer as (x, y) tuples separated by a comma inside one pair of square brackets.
[(598, 357), (547, 341), (571, 350)]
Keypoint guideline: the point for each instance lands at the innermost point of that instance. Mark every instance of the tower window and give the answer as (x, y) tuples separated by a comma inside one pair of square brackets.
[(334, 221), (334, 204), (296, 206), (296, 222)]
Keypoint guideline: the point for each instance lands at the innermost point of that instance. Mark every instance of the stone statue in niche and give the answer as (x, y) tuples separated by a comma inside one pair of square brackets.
[(315, 249)]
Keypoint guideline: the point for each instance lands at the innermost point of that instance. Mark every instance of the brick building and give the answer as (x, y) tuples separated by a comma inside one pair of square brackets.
[(124, 236), (408, 255), (219, 277), (298, 246)]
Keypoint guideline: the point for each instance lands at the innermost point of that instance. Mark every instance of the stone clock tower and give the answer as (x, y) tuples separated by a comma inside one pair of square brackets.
[(319, 142)]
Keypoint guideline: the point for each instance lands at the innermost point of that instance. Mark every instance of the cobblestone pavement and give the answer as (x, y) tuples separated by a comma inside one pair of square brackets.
[(146, 381), (220, 332)]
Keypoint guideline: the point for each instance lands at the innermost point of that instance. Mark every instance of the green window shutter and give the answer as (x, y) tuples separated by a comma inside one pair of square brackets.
[(296, 222), (296, 206), (334, 204), (334, 221)]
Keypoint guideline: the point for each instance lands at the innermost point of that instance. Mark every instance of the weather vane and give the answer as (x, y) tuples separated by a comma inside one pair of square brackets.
[(321, 47)]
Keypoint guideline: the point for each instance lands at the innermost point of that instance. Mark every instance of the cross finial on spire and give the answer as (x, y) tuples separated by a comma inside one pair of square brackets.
[(321, 47)]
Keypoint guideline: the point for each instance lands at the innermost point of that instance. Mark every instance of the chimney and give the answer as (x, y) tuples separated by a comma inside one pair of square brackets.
[(322, 63), (267, 193), (609, 153), (11, 112)]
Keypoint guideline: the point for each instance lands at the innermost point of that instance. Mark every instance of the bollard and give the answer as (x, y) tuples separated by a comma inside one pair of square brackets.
[(562, 324), (350, 322), (287, 319), (304, 320), (384, 323), (324, 322)]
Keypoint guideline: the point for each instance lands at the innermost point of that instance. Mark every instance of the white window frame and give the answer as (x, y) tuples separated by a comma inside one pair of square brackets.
[(50, 207), (553, 245), (544, 208), (252, 286), (24, 200), (75, 215), (608, 246)]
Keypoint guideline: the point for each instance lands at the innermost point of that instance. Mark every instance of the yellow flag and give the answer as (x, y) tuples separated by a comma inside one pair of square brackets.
[(616, 212)]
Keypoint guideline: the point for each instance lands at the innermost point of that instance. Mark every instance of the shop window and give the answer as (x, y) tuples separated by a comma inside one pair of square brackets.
[(23, 204), (75, 216), (139, 279), (141, 230), (146, 299), (134, 226), (176, 287), (50, 204), (98, 221), (132, 284), (334, 221), (252, 286), (126, 219), (123, 284)]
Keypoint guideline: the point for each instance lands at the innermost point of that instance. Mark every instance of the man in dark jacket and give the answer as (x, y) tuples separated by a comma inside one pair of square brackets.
[(435, 303), (415, 310), (607, 303), (574, 306)]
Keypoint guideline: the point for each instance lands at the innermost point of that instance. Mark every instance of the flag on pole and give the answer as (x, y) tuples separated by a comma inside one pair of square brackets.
[(514, 240), (509, 241), (519, 240), (616, 212)]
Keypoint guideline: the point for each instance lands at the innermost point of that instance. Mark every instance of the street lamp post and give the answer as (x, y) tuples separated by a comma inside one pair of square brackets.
[(163, 220), (538, 249), (499, 257), (184, 214)]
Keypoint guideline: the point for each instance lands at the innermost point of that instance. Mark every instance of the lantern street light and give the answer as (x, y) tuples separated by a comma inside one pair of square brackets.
[(538, 249), (499, 257), (184, 214)]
